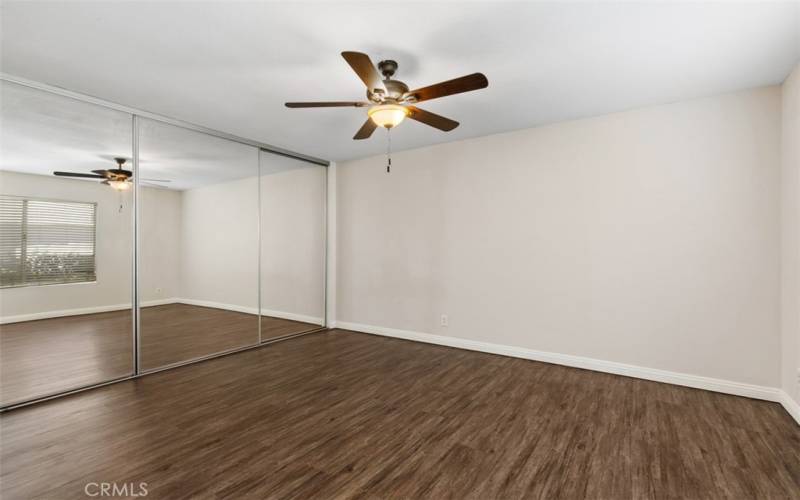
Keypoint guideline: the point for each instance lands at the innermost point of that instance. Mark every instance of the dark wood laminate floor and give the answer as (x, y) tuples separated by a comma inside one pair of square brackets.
[(51, 355), (347, 415), (178, 332)]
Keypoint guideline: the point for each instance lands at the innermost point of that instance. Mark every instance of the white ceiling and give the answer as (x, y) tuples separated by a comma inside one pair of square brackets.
[(231, 66)]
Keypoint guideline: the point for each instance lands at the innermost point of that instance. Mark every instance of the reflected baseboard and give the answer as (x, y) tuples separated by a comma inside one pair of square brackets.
[(19, 318), (160, 302), (253, 310), (216, 305), (294, 317)]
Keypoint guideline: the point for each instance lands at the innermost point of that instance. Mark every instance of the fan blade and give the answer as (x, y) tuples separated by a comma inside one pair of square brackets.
[(155, 180), (366, 130), (432, 119), (330, 104), (365, 70), (467, 83), (76, 174), (101, 172)]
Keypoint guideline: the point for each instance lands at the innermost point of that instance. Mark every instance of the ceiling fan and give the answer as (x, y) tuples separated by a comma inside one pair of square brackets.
[(391, 101), (118, 178)]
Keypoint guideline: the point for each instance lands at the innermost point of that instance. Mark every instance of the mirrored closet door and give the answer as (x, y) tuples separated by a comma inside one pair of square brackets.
[(66, 245), (227, 241), (292, 246), (198, 245)]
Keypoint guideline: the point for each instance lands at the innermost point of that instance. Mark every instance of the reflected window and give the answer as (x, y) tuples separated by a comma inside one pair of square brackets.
[(46, 242)]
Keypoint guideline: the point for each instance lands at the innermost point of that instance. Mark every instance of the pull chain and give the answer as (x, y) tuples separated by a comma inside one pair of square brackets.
[(389, 151)]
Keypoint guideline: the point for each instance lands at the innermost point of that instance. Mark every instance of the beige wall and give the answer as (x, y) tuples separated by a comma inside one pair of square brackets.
[(648, 237), (790, 230)]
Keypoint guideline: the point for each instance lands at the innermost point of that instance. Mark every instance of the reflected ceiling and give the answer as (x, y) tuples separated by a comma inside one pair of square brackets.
[(42, 132)]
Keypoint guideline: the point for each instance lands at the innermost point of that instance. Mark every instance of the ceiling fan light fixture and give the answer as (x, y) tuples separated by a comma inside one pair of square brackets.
[(387, 115), (391, 100), (120, 185)]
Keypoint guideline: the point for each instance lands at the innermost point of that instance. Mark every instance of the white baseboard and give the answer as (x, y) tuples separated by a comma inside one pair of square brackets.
[(791, 406), (160, 302), (683, 379)]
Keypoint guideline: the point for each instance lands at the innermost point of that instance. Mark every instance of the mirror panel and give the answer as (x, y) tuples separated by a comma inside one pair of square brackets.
[(198, 263), (66, 245), (292, 246)]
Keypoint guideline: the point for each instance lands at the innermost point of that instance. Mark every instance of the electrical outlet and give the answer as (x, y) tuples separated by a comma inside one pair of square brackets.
[(443, 320)]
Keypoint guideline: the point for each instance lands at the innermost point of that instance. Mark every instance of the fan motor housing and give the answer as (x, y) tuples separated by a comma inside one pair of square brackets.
[(394, 92)]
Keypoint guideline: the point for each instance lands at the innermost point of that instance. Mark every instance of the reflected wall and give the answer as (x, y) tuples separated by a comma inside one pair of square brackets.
[(227, 242), (198, 264), (292, 246), (66, 245)]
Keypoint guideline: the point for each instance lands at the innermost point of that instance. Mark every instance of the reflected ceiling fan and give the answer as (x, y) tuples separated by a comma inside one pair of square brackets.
[(118, 178), (391, 101)]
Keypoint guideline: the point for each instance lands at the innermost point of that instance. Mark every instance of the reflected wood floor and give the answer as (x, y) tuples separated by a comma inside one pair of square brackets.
[(347, 415), (51, 355)]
